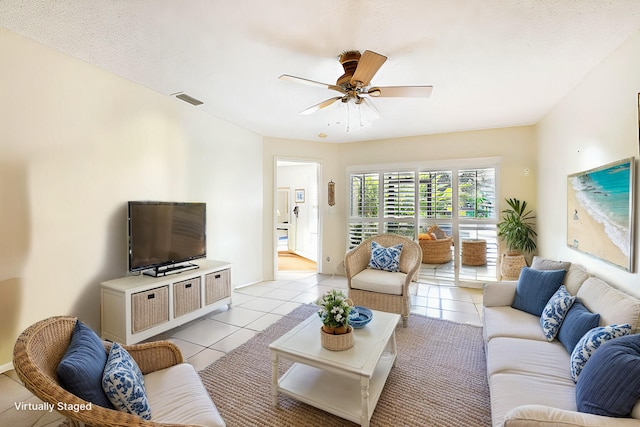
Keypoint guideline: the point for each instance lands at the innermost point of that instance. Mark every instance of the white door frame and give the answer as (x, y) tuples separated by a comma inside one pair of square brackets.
[(320, 196)]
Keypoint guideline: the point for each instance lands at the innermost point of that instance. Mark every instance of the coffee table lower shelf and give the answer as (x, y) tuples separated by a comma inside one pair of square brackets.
[(348, 396)]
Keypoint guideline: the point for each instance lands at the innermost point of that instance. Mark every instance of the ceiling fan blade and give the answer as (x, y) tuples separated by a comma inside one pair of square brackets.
[(311, 82), (369, 64), (400, 91), (320, 106)]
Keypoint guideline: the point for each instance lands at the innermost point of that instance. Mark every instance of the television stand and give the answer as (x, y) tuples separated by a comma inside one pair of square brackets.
[(169, 269), (136, 308)]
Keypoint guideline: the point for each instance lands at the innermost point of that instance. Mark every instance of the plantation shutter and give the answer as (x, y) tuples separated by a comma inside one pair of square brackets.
[(400, 203), (364, 204), (435, 195), (476, 193)]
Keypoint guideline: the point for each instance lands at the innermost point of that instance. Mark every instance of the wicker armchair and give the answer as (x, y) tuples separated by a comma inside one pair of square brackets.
[(40, 348), (390, 293)]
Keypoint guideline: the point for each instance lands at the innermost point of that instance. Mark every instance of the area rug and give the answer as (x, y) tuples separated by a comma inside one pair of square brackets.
[(440, 380)]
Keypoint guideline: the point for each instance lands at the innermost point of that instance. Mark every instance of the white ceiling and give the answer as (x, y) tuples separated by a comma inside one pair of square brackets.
[(493, 63)]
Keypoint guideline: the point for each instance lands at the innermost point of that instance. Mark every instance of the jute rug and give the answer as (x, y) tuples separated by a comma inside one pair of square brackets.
[(440, 380)]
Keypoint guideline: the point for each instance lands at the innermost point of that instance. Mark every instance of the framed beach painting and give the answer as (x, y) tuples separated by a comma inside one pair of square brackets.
[(600, 211)]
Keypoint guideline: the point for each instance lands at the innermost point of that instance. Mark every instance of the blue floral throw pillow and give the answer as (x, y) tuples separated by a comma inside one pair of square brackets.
[(387, 259), (555, 311), (590, 343), (123, 383)]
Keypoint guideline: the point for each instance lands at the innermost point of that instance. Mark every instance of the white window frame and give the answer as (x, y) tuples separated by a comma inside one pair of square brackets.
[(455, 166)]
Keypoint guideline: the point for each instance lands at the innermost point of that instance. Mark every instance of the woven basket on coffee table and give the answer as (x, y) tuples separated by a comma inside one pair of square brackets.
[(337, 342)]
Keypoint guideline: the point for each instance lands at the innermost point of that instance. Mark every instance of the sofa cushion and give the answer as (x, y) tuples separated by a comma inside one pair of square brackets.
[(505, 321), (590, 342), (380, 281), (535, 288), (510, 390), (614, 306), (387, 259), (555, 311), (123, 383), (609, 384), (575, 277), (80, 370), (578, 321), (531, 357), (177, 396), (539, 263)]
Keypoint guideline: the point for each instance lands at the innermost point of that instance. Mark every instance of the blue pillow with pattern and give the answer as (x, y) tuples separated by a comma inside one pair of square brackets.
[(387, 259), (555, 311), (123, 383), (590, 342)]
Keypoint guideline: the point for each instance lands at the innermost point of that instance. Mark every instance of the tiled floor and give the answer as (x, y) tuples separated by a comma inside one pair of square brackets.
[(254, 308)]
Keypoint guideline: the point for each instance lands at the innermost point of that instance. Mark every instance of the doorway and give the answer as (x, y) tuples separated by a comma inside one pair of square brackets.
[(297, 215)]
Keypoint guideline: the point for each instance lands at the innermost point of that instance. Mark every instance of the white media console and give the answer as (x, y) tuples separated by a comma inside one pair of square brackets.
[(135, 308)]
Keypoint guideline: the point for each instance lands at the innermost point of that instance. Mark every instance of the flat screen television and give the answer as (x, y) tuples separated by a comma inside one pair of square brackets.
[(163, 235)]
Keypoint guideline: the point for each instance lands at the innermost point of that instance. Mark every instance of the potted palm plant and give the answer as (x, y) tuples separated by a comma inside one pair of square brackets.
[(516, 229)]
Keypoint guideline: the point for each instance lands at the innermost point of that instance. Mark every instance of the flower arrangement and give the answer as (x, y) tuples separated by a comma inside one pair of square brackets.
[(334, 312)]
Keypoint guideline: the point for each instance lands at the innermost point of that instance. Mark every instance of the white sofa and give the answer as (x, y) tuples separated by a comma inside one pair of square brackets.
[(529, 377)]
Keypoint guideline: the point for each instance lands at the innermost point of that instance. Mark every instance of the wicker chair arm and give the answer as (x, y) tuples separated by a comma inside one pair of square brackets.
[(154, 356), (414, 259), (357, 260)]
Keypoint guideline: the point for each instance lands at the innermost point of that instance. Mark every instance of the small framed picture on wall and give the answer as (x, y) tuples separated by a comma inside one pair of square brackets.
[(299, 195)]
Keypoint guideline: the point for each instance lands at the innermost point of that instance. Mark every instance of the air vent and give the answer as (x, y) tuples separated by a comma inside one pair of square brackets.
[(186, 98)]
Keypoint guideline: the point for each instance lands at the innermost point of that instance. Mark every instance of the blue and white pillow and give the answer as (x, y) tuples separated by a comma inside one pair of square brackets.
[(590, 343), (123, 383), (387, 259), (555, 311)]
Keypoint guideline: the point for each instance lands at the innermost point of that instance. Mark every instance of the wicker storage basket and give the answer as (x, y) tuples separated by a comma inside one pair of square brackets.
[(436, 251), (474, 252), (510, 266), (337, 342)]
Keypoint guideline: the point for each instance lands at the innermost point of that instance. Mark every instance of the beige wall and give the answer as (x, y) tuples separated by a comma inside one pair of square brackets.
[(76, 143), (596, 124), (514, 145)]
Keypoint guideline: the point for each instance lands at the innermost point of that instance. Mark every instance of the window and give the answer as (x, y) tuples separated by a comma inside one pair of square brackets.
[(477, 193), (461, 201), (400, 203), (364, 202)]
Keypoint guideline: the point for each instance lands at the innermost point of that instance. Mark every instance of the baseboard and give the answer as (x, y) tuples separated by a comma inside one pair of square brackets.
[(6, 367), (244, 285)]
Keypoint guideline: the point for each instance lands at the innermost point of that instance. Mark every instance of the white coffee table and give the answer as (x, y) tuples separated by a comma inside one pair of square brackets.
[(345, 383)]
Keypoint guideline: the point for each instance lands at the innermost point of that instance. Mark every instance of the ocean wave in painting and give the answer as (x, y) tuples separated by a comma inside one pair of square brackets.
[(605, 196)]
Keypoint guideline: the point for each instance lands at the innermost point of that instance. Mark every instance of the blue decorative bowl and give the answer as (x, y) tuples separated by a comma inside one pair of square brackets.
[(360, 316)]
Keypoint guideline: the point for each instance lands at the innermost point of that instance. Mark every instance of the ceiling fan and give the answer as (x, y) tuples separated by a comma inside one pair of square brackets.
[(355, 83)]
